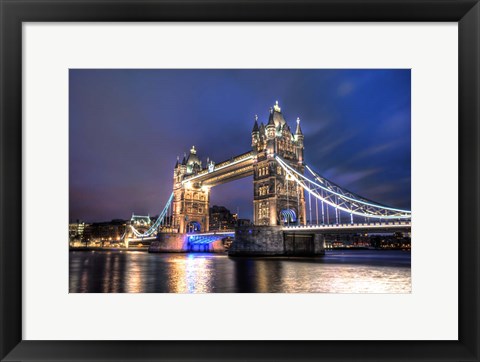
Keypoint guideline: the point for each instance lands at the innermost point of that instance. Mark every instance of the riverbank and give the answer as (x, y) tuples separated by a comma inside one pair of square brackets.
[(99, 248)]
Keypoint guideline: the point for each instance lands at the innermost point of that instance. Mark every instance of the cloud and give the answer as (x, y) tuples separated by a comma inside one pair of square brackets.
[(376, 150), (128, 126), (328, 146), (382, 189), (395, 122), (348, 178), (315, 127), (345, 88)]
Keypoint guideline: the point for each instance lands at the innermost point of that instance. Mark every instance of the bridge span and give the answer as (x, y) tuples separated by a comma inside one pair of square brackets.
[(294, 206), (216, 174)]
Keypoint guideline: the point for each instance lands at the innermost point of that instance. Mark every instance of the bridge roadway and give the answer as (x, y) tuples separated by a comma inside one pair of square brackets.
[(378, 227), (146, 238)]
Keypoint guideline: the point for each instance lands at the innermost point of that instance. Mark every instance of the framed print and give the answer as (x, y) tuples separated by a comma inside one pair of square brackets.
[(239, 181)]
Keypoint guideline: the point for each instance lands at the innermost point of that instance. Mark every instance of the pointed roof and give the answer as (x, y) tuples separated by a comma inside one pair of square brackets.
[(192, 157), (184, 161), (277, 116), (255, 125), (270, 119), (262, 129), (176, 163), (299, 129)]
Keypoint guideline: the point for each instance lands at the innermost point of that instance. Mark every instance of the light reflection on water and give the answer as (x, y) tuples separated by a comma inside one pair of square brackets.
[(192, 273), (337, 272)]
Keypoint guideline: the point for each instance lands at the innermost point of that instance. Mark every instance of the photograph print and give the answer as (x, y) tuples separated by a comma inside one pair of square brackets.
[(240, 181)]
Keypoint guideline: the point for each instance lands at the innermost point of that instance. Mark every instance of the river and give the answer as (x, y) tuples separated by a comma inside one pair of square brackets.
[(339, 271)]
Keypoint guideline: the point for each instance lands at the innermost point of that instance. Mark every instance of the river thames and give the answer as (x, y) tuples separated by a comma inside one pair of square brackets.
[(339, 271)]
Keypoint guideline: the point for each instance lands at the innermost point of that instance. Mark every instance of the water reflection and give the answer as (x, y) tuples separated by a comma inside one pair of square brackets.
[(135, 282), (337, 272), (192, 273)]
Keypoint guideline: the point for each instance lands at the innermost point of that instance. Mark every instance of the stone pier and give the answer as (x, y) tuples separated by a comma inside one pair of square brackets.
[(249, 241), (274, 241)]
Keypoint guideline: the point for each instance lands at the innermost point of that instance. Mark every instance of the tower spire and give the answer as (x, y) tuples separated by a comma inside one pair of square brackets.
[(299, 129), (255, 125), (271, 122), (276, 107)]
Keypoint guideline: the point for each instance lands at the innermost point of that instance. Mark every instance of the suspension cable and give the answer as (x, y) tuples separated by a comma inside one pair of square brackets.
[(303, 183), (157, 223), (285, 165)]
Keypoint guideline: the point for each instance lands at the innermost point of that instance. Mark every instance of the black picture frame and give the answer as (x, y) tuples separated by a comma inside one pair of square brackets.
[(14, 12)]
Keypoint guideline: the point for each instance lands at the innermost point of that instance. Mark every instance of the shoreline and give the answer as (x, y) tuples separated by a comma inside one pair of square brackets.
[(99, 248)]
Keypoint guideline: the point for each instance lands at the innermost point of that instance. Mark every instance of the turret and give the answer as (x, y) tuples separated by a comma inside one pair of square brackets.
[(262, 131), (193, 162), (270, 130), (298, 132), (179, 170), (299, 139), (270, 127), (255, 133)]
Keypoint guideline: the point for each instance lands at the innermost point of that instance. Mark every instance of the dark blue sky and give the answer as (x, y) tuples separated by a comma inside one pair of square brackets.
[(128, 126)]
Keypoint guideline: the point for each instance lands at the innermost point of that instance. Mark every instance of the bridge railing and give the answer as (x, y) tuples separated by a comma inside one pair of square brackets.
[(349, 226)]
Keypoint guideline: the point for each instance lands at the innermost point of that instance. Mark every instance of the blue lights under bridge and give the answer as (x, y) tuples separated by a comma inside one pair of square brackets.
[(208, 238)]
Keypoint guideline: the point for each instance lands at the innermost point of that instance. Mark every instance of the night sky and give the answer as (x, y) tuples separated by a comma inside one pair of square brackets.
[(127, 128)]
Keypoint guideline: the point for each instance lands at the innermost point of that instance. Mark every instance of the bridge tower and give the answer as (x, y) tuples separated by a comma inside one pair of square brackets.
[(190, 200), (277, 199)]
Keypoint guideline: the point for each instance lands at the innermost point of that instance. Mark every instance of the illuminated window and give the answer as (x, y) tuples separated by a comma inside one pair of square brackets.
[(263, 210), (263, 190)]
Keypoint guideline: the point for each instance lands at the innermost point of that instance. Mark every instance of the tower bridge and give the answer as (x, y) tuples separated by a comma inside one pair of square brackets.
[(289, 198)]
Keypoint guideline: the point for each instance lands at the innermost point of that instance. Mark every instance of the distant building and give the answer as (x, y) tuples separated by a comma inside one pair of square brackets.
[(221, 218), (243, 222), (104, 232), (76, 231)]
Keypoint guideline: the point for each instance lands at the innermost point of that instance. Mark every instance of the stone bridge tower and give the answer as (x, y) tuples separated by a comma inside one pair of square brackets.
[(277, 200), (190, 200)]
